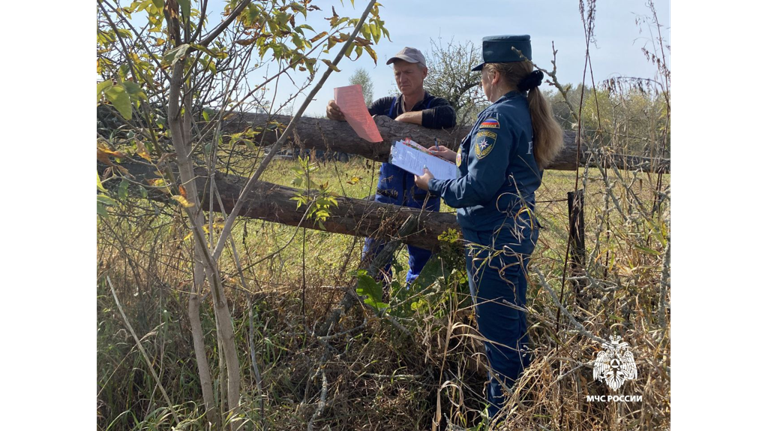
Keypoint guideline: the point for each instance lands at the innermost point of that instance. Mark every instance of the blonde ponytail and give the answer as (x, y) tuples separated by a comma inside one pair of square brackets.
[(547, 134)]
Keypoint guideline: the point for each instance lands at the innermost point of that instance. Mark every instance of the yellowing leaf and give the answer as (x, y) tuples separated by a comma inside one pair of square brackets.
[(98, 183), (372, 53), (105, 150), (141, 151), (101, 87), (157, 182), (124, 171), (318, 37), (182, 201), (120, 100), (102, 157), (246, 42), (362, 42), (331, 65)]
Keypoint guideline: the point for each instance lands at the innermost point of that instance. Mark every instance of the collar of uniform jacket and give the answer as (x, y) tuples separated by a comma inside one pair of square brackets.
[(511, 95)]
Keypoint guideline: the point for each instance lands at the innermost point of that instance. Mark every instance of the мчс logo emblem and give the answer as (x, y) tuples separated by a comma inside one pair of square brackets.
[(615, 364)]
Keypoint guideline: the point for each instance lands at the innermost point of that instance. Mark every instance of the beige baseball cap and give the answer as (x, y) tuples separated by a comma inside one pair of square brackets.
[(411, 55)]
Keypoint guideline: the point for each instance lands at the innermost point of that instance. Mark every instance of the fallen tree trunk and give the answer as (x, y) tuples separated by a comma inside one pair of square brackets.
[(329, 135), (273, 203)]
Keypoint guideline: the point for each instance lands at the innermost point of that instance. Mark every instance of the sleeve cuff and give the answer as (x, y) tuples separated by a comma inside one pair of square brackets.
[(434, 186)]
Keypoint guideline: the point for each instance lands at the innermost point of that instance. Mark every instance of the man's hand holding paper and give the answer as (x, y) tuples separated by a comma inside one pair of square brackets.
[(350, 101)]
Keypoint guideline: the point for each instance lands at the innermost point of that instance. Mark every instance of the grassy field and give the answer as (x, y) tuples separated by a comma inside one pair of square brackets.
[(374, 375)]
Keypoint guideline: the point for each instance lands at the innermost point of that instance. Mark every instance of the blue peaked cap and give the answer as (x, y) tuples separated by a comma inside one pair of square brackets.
[(498, 49)]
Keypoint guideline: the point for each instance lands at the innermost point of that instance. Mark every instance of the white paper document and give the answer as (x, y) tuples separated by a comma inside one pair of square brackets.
[(412, 157), (352, 104)]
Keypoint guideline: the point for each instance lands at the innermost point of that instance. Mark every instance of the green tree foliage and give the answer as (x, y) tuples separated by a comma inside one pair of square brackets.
[(451, 77), (362, 78), (170, 73), (624, 116), (629, 116)]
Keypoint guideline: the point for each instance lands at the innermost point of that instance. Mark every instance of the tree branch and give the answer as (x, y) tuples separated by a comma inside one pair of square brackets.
[(223, 26), (288, 131)]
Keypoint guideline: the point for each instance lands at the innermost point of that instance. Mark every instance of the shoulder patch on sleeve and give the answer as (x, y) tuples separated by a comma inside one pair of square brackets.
[(484, 143), (489, 123)]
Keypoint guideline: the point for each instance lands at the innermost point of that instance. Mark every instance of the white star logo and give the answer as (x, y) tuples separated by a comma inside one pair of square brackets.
[(483, 144)]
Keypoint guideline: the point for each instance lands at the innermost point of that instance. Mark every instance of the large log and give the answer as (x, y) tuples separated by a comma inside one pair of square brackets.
[(273, 203), (329, 135)]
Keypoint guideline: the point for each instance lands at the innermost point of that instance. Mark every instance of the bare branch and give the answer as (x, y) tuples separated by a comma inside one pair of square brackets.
[(288, 132), (221, 27)]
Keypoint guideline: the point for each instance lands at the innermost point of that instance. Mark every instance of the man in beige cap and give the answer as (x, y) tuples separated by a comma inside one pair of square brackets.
[(413, 105)]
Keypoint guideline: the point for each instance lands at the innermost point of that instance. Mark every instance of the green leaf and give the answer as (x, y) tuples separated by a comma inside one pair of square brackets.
[(158, 4), (176, 54), (368, 286), (331, 65), (207, 63), (106, 200), (375, 32), (99, 185), (432, 271), (120, 100), (282, 18), (124, 33), (185, 8), (213, 53), (101, 87), (122, 190), (251, 146), (123, 70), (648, 250), (297, 40), (134, 90), (205, 116)]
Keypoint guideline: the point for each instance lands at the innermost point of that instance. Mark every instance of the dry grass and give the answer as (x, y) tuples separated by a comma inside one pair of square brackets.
[(373, 376)]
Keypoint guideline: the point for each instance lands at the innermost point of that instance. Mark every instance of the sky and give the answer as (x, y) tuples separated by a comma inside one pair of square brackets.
[(617, 51)]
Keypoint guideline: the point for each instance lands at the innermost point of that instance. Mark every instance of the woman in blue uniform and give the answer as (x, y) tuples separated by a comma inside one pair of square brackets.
[(501, 163)]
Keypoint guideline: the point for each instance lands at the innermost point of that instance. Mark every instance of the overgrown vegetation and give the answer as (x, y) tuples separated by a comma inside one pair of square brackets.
[(412, 364)]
